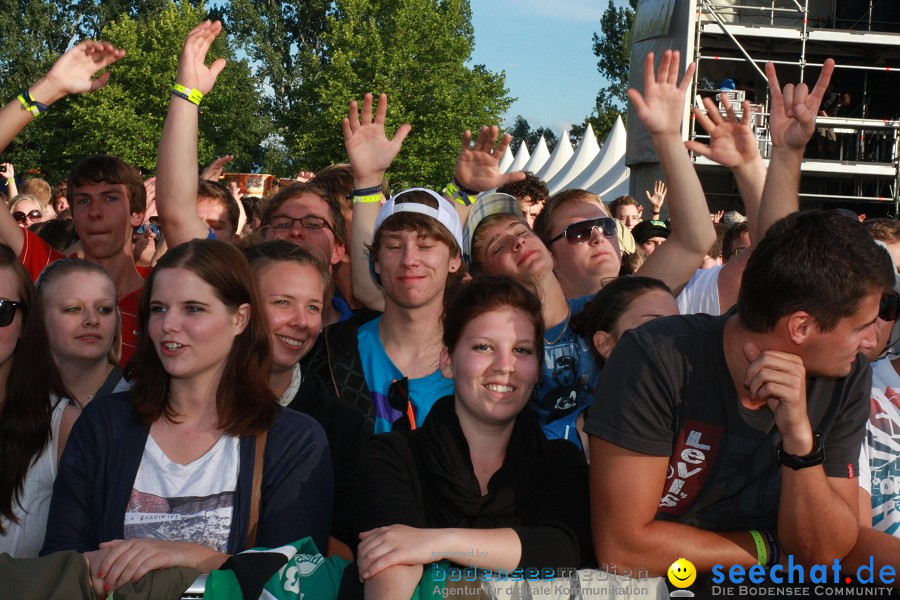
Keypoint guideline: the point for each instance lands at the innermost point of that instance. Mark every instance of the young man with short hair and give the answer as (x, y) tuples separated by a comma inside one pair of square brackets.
[(735, 439), (106, 195)]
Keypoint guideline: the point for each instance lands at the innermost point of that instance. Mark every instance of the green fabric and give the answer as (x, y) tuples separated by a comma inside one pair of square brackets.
[(222, 585), (308, 574)]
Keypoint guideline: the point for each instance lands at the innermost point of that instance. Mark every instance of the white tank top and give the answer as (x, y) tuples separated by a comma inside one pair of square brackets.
[(24, 540)]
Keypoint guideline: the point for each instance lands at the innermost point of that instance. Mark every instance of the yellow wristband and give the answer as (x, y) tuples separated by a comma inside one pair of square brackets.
[(457, 194), (32, 108), (368, 198), (762, 557), (191, 95)]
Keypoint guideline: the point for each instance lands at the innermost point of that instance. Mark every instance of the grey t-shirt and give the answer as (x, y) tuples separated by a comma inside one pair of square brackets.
[(666, 391)]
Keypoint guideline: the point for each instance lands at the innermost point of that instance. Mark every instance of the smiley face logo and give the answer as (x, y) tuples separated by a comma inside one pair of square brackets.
[(682, 573)]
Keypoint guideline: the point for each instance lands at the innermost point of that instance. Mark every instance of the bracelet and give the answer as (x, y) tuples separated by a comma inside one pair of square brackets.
[(8, 179), (367, 198), (762, 557), (460, 194), (774, 552), (191, 95), (30, 104), (362, 192)]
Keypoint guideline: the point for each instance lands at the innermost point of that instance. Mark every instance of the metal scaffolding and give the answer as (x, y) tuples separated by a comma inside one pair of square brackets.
[(860, 151)]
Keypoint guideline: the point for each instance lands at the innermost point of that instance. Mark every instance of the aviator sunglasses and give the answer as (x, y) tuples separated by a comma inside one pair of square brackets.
[(580, 232), (34, 215), (8, 311)]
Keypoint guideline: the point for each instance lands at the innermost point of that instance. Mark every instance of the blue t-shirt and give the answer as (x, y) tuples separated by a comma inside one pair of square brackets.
[(568, 377), (380, 373)]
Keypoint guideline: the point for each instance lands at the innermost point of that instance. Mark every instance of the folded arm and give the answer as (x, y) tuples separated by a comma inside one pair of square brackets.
[(625, 490)]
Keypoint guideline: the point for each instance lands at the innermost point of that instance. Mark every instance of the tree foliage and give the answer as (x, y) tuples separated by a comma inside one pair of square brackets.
[(521, 131), (413, 50), (125, 118), (612, 46)]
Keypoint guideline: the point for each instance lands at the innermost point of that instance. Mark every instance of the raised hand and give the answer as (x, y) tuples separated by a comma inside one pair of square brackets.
[(192, 70), (657, 198), (661, 106), (732, 142), (305, 176), (792, 118), (73, 72), (478, 166), (369, 149), (215, 169)]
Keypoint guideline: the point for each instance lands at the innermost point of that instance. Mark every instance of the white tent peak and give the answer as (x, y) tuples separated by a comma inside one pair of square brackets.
[(584, 154), (558, 159), (538, 157)]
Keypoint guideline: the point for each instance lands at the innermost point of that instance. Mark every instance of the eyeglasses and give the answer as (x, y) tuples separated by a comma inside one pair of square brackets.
[(34, 215), (8, 311), (398, 398), (141, 229), (308, 222), (889, 307), (580, 232)]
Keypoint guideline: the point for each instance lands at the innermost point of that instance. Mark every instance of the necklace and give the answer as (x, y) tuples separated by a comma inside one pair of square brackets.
[(563, 332)]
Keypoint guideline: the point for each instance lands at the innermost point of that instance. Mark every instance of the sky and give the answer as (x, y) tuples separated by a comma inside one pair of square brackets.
[(546, 49)]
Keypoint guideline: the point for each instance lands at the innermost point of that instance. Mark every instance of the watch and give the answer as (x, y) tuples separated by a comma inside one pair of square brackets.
[(816, 457)]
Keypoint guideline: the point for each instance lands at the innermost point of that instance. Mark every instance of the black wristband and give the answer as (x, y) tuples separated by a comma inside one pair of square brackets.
[(467, 191), (369, 191)]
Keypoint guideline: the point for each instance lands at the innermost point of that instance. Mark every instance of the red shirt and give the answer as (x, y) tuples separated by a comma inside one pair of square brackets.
[(37, 254)]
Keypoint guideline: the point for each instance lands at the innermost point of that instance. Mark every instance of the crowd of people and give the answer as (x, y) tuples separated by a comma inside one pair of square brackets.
[(486, 372)]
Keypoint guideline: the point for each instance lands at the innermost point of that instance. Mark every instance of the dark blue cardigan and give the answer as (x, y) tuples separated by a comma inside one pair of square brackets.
[(103, 453)]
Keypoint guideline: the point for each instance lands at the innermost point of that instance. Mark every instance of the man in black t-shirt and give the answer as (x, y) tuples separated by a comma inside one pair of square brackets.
[(749, 421)]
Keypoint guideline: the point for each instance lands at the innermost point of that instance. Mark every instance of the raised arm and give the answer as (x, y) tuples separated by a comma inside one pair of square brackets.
[(661, 109), (733, 144), (792, 123), (656, 199), (177, 168), (371, 153), (478, 168), (72, 73), (9, 173)]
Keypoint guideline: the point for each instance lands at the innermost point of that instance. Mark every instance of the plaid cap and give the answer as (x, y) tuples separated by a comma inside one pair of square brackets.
[(487, 205)]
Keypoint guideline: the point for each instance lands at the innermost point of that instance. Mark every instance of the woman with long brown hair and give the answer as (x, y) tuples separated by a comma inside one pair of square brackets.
[(163, 475), (35, 419)]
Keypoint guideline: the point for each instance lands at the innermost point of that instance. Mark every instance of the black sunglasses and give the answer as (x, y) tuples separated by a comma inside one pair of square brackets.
[(889, 307), (8, 311), (34, 215), (580, 232), (398, 398)]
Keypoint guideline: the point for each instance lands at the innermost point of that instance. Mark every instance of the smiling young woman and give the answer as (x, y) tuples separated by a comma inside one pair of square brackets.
[(162, 476), (479, 473)]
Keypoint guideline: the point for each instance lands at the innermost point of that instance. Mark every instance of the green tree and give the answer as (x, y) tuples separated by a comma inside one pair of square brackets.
[(612, 46), (416, 52), (521, 131), (125, 118)]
